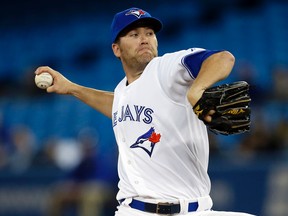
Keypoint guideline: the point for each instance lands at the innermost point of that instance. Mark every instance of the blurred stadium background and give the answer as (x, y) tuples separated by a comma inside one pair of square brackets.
[(58, 156)]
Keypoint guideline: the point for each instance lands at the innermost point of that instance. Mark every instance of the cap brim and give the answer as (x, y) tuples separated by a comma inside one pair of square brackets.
[(150, 22)]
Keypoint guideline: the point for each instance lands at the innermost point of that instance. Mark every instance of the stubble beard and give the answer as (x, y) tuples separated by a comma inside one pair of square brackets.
[(140, 62), (145, 57)]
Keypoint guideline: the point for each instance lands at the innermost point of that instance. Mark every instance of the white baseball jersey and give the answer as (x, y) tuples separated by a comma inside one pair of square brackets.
[(163, 146)]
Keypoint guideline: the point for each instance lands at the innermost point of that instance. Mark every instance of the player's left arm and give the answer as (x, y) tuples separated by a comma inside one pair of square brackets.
[(213, 69)]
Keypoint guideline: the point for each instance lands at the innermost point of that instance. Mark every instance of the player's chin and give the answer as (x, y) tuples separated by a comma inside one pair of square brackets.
[(147, 57)]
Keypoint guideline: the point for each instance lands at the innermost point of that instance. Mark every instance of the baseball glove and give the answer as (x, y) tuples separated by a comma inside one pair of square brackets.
[(231, 103)]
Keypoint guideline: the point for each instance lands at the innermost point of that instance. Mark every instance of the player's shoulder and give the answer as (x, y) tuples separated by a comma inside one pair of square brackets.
[(181, 53), (176, 56)]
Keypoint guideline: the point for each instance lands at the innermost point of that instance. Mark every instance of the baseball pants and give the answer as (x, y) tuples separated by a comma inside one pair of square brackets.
[(124, 210)]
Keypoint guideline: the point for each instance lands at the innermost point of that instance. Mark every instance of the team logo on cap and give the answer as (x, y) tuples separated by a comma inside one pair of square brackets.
[(137, 13), (147, 141)]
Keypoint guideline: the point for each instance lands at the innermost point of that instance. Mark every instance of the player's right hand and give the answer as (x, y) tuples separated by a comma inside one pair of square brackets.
[(61, 84)]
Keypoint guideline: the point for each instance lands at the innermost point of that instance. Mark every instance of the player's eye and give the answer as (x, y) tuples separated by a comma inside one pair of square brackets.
[(150, 33), (133, 35)]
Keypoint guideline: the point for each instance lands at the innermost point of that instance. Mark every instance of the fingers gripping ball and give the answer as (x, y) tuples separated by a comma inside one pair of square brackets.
[(231, 103), (43, 80)]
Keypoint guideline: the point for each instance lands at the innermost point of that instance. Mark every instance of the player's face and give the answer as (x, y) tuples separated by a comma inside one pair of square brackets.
[(137, 48)]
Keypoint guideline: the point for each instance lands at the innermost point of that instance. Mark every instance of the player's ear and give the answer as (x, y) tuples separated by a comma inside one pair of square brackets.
[(116, 50)]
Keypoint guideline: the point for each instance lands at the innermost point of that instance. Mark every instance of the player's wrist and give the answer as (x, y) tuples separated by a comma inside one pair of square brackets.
[(194, 95), (73, 89)]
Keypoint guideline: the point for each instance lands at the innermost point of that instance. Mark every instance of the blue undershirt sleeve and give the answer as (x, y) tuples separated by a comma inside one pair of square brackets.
[(193, 61)]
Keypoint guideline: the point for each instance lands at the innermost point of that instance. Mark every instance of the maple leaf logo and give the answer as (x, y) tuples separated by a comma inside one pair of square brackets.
[(147, 141), (154, 138)]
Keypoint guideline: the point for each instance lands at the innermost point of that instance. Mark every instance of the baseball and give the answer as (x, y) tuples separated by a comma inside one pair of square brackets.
[(43, 80)]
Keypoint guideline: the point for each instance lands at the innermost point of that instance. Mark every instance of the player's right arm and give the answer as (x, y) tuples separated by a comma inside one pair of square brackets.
[(101, 101)]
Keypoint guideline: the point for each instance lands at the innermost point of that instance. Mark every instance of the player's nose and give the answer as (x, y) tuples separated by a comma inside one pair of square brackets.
[(144, 39)]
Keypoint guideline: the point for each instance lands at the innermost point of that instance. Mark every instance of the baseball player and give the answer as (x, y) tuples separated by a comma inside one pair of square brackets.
[(163, 146)]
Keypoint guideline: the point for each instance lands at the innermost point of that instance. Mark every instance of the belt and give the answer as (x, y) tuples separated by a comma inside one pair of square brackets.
[(161, 207)]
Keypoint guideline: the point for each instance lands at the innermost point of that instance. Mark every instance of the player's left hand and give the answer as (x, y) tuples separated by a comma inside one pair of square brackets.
[(225, 109), (208, 118)]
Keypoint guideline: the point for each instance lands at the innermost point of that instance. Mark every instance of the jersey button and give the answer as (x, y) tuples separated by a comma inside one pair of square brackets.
[(123, 140), (136, 182), (129, 162)]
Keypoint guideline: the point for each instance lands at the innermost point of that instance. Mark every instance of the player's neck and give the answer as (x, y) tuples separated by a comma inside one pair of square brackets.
[(132, 74), (132, 77)]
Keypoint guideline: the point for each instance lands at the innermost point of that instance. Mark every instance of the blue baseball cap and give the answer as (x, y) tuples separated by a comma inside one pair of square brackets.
[(131, 16)]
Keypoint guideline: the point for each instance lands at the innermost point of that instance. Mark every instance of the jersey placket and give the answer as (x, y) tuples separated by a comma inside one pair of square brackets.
[(128, 160)]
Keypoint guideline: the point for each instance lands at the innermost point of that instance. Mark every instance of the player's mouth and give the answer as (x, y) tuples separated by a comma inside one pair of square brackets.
[(145, 49)]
